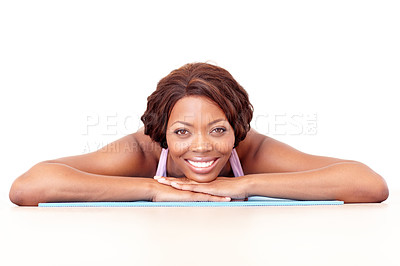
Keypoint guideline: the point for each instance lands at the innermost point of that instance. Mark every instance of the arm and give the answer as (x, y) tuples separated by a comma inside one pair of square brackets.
[(282, 171), (347, 181), (56, 182), (104, 175), (96, 176)]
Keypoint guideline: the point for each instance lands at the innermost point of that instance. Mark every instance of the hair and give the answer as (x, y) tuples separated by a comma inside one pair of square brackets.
[(197, 79)]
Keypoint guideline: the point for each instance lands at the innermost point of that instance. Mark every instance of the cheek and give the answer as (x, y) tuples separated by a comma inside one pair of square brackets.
[(177, 146), (225, 145)]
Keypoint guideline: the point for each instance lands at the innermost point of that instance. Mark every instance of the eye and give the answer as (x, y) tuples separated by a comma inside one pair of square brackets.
[(181, 132), (219, 130)]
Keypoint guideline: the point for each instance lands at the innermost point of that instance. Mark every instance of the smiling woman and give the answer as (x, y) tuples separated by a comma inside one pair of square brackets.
[(200, 149), (197, 145)]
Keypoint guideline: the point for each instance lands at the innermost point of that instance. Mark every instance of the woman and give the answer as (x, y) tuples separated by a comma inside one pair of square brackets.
[(198, 146)]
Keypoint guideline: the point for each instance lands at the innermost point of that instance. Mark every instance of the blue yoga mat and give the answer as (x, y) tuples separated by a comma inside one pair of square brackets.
[(252, 201)]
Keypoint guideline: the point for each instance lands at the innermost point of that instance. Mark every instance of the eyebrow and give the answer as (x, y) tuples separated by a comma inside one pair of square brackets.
[(188, 124)]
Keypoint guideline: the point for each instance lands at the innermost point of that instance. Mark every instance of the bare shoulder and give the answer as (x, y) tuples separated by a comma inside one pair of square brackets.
[(248, 147), (262, 154), (150, 150), (132, 155)]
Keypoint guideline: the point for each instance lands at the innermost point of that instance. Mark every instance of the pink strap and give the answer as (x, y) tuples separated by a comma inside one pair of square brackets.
[(162, 163), (235, 164)]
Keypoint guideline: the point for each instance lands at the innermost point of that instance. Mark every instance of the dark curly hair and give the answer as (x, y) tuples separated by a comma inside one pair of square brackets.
[(199, 79)]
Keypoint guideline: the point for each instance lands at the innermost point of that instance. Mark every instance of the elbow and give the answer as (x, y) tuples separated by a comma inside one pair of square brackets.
[(376, 194), (19, 194), (22, 195), (26, 189), (15, 194), (366, 195), (380, 193), (377, 190), (370, 187)]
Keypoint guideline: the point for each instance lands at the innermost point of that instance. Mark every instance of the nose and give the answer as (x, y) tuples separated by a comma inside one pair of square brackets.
[(201, 143)]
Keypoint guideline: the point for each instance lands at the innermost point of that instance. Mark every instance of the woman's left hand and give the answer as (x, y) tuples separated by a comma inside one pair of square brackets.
[(233, 187)]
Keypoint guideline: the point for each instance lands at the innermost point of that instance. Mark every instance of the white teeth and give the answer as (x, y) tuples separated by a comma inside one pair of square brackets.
[(201, 164)]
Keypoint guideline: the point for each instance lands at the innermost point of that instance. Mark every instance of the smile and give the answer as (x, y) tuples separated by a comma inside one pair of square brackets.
[(201, 164), (202, 167)]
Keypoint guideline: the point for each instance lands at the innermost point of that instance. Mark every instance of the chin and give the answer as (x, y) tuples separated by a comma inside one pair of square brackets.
[(202, 178), (203, 172)]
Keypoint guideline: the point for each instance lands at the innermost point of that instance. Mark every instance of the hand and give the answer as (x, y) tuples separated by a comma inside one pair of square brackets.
[(168, 193), (233, 187)]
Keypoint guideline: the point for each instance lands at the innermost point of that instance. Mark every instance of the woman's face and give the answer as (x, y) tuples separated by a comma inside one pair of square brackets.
[(200, 139)]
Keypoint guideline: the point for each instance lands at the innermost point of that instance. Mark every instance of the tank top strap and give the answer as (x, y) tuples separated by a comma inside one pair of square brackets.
[(162, 163), (233, 160), (235, 164)]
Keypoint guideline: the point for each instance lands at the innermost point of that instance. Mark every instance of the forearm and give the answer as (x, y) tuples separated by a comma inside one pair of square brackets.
[(52, 182), (349, 182)]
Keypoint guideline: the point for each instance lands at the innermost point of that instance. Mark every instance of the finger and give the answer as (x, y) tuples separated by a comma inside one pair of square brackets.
[(202, 188), (169, 180), (181, 180), (164, 181), (206, 197)]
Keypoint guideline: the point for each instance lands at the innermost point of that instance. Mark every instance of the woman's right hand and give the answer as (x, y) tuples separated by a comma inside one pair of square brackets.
[(161, 192)]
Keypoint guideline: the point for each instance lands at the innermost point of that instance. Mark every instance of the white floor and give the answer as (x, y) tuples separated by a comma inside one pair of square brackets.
[(353, 234)]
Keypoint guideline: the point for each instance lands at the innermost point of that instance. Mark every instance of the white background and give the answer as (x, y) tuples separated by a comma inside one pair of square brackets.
[(322, 75)]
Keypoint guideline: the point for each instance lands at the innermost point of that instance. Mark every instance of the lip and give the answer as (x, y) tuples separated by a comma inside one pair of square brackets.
[(202, 170)]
